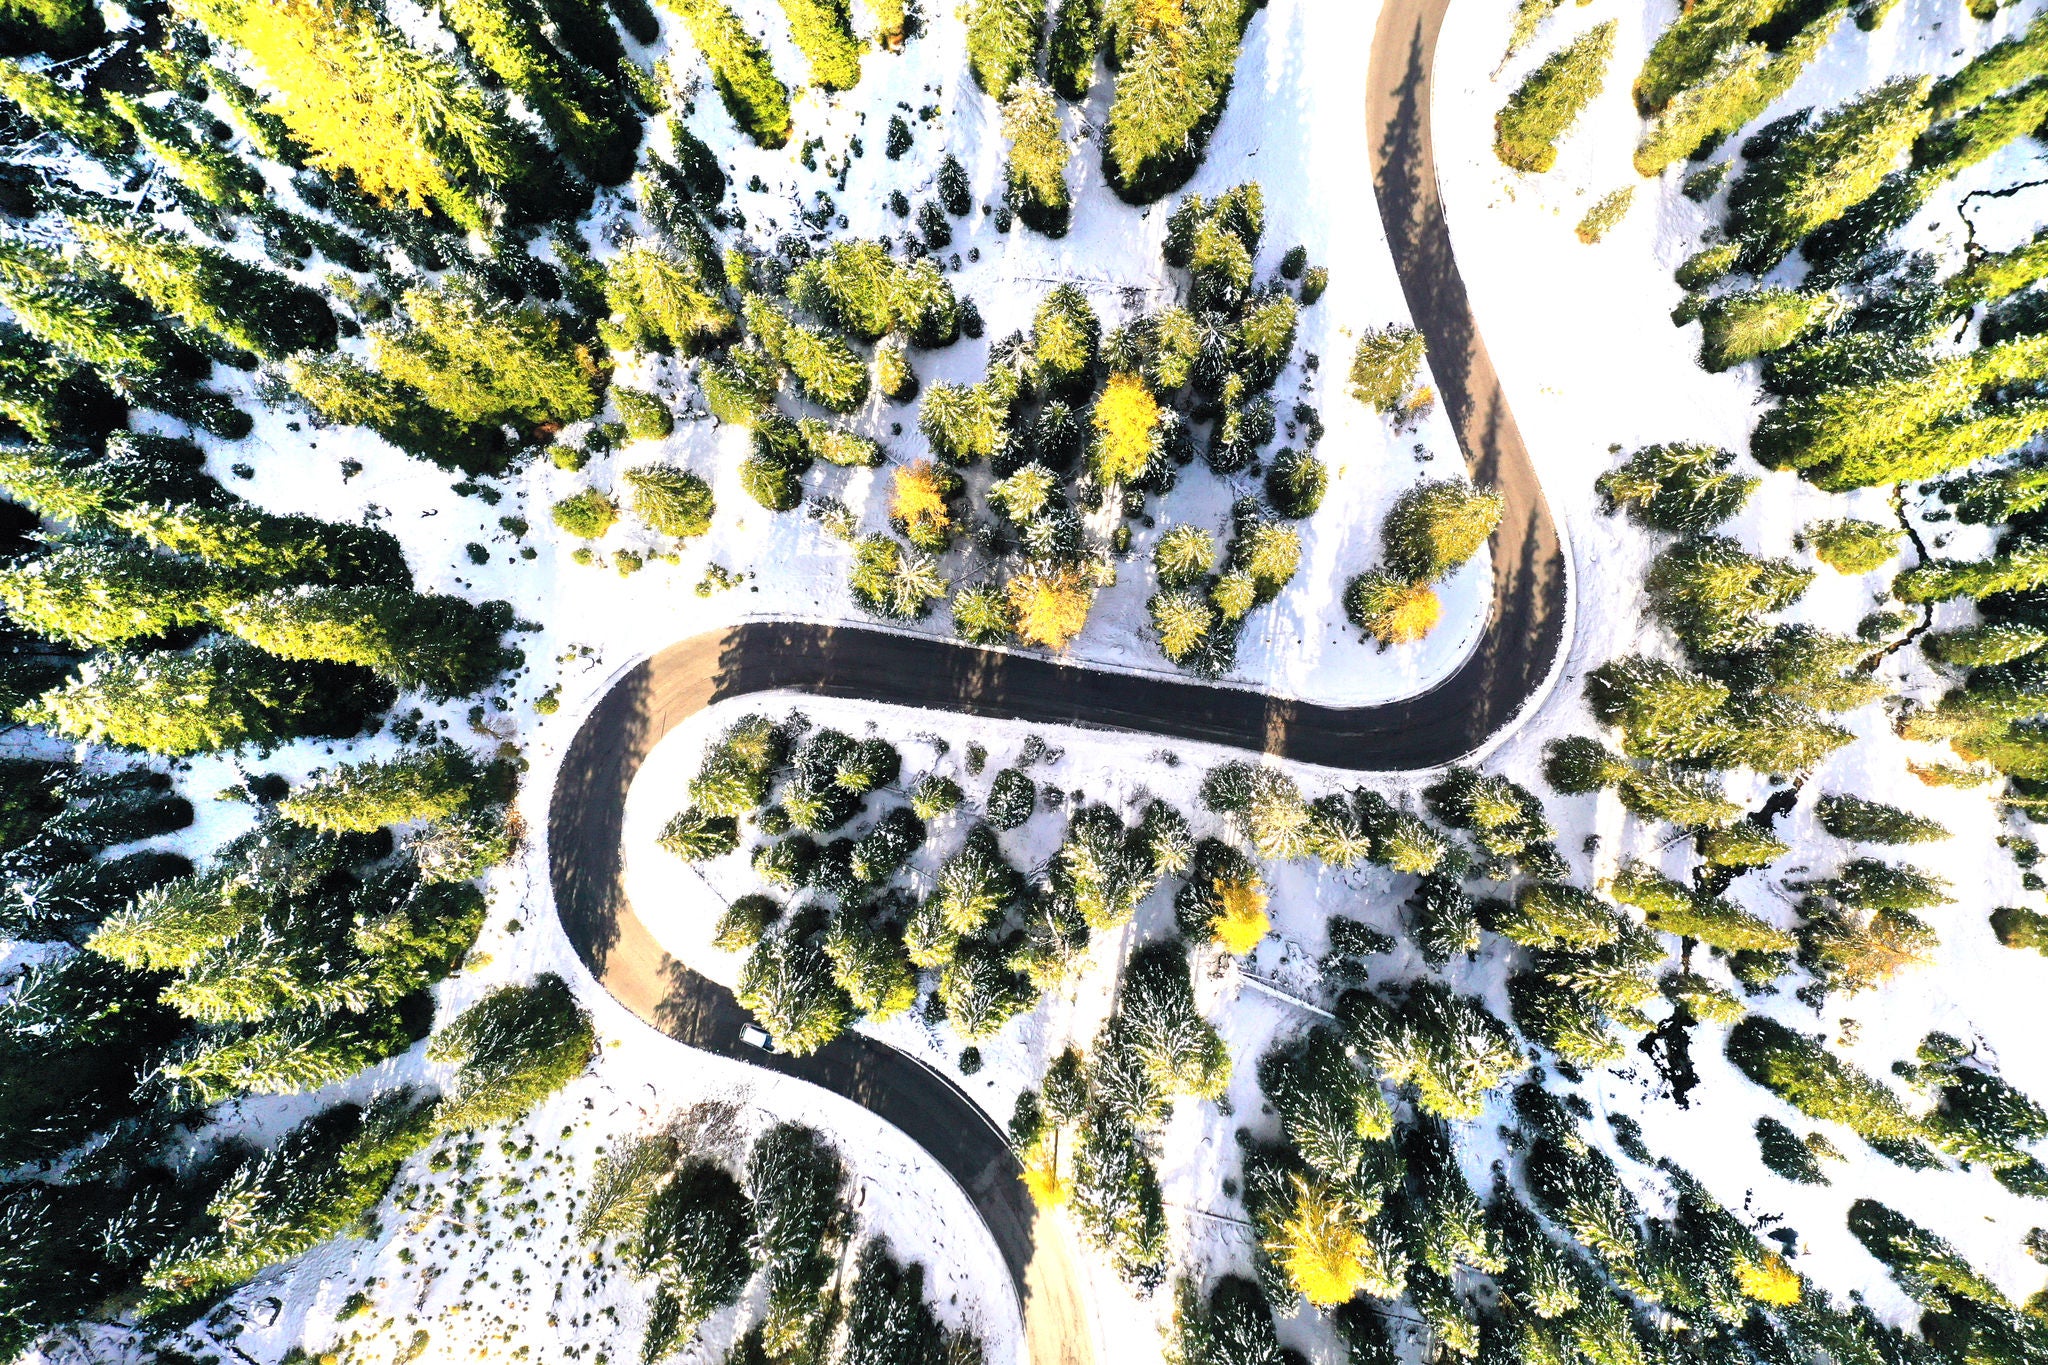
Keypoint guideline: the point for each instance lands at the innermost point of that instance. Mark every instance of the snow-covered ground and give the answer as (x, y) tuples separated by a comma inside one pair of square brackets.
[(1583, 342)]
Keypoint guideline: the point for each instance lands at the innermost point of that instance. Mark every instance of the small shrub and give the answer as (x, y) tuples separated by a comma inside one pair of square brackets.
[(587, 515), (1602, 217)]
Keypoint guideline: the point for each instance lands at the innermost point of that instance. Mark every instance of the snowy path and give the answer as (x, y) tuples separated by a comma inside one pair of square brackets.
[(1470, 710)]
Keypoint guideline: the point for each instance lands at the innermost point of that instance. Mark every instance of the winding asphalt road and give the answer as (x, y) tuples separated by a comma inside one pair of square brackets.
[(587, 814)]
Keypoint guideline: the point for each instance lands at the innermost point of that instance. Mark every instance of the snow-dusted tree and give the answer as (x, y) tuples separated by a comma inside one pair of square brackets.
[(359, 797), (1002, 41), (693, 1241), (787, 983), (1683, 489), (511, 1050), (219, 695), (1037, 173)]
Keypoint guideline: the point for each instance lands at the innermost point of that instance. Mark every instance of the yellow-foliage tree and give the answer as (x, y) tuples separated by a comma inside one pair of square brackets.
[(920, 504), (1324, 1245), (1126, 419), (1241, 919), (1769, 1280), (403, 122), (1049, 1189), (1052, 604)]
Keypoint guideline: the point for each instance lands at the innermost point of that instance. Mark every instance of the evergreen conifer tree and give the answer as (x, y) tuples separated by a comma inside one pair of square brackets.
[(757, 101), (404, 123), (587, 114), (1175, 62), (1546, 104), (1002, 42), (1810, 177), (1435, 527), (1071, 52), (247, 306), (108, 594), (219, 695), (482, 361), (511, 1050), (445, 646), (673, 502), (361, 797), (1038, 190), (78, 114)]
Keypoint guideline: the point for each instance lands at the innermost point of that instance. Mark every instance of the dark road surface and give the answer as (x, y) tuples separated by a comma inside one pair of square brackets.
[(1522, 640)]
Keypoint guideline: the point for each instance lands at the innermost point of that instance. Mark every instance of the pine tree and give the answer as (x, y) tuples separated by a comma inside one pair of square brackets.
[(1175, 64), (340, 389), (87, 316), (773, 473), (827, 370), (1741, 844), (52, 397), (788, 984), (757, 101), (479, 360), (1755, 322), (1682, 489), (663, 300), (1820, 1085), (1873, 822), (891, 581), (1546, 104), (208, 170), (444, 646), (255, 309), (511, 1050), (1445, 1045), (796, 1181), (673, 502), (108, 594), (1385, 367), (61, 28), (983, 616), (1714, 595), (1902, 426), (964, 424), (1850, 546), (220, 695), (693, 1242), (588, 515), (871, 966), (1037, 173), (698, 836), (247, 543), (2021, 568), (1435, 527), (404, 123), (1813, 175), (78, 114), (587, 115), (1002, 42), (1077, 32), (860, 289), (275, 1205), (1676, 909), (824, 30), (1744, 80), (361, 797), (1552, 914)]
